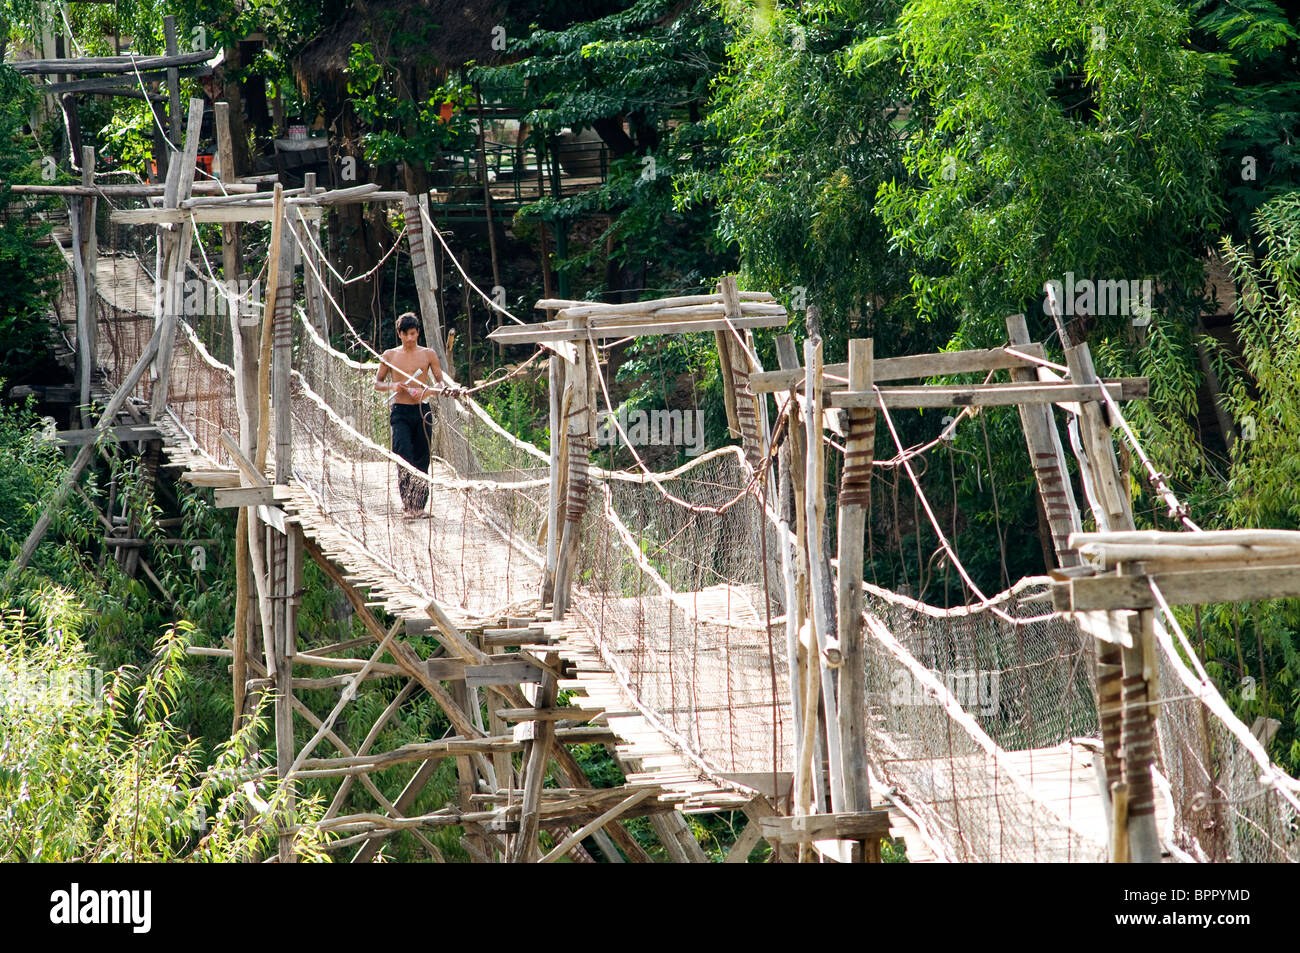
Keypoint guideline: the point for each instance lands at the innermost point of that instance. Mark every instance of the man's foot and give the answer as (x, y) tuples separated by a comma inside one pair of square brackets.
[(415, 515)]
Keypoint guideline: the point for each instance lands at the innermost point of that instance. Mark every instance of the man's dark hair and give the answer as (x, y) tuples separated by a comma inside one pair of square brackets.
[(407, 321)]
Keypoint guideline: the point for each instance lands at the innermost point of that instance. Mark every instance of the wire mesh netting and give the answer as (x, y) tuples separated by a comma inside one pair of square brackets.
[(971, 717)]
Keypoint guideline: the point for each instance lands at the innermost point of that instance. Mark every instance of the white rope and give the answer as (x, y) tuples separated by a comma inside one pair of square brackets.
[(330, 265), (943, 540), (455, 261), (1209, 696)]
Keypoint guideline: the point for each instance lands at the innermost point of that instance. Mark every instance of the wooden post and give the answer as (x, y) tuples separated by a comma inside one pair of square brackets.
[(1139, 740), (728, 383), (537, 753), (1094, 431), (179, 248), (1047, 457), (579, 434), (173, 82), (819, 614), (743, 402), (425, 281), (554, 524), (282, 359), (311, 285), (854, 500), (789, 510), (1119, 828), (86, 252)]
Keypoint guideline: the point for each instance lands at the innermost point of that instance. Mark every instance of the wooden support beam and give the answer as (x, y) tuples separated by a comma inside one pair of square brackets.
[(423, 775), (990, 395), (179, 254), (558, 452), (524, 848), (1047, 458), (229, 498), (862, 825), (854, 499), (173, 81), (120, 433), (426, 282), (790, 511), (819, 616), (1099, 449), (580, 431), (214, 213), (1197, 587), (576, 837), (1138, 738), (77, 65), (907, 367), (86, 250), (549, 714), (710, 320)]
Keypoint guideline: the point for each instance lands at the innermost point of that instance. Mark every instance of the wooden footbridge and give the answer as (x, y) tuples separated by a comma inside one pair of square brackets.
[(691, 621)]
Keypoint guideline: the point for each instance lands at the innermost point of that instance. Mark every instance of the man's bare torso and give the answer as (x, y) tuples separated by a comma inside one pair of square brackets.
[(400, 364)]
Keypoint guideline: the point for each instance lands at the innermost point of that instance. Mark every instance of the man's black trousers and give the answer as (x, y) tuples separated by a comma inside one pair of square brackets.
[(412, 432)]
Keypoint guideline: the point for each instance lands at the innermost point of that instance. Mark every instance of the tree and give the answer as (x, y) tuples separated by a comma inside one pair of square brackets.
[(807, 134), (28, 267)]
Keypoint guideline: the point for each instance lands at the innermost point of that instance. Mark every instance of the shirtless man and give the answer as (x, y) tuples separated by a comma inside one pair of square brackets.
[(411, 418)]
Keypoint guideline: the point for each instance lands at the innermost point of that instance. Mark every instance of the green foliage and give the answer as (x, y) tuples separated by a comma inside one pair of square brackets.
[(1258, 97), (806, 136), (27, 271), (1055, 138), (402, 129), (647, 68), (108, 776)]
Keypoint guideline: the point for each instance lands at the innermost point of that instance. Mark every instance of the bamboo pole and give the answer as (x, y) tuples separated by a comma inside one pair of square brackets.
[(559, 431), (819, 583), (1046, 457), (179, 183), (790, 506), (854, 498)]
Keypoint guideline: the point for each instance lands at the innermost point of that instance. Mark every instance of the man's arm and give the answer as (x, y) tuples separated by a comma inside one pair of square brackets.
[(382, 376)]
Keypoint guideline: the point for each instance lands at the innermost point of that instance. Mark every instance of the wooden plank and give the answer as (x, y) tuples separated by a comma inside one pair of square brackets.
[(1178, 588), (212, 478), (549, 714), (906, 367), (177, 216), (861, 825), (512, 672), (231, 497), (989, 395), (531, 334), (75, 438)]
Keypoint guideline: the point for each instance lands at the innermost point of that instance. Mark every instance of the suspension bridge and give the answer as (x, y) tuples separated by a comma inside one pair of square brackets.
[(693, 617)]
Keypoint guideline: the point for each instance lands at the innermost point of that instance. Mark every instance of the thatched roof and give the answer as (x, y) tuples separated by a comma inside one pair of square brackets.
[(452, 33)]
